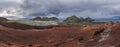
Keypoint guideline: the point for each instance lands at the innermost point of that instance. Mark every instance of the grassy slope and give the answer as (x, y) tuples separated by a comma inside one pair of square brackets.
[(82, 23), (34, 23), (42, 23)]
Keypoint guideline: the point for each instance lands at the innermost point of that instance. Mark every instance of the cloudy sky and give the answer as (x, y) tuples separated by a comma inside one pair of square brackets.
[(18, 9)]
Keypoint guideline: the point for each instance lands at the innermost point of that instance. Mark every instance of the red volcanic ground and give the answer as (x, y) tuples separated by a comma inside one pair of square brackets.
[(19, 35)]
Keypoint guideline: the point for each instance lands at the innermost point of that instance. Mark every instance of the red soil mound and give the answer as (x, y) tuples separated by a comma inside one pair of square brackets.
[(102, 35)]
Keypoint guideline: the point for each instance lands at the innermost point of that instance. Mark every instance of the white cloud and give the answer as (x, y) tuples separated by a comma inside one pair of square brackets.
[(64, 8)]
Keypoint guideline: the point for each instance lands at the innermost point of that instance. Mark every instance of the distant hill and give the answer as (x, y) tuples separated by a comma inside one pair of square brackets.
[(114, 19), (3, 19)]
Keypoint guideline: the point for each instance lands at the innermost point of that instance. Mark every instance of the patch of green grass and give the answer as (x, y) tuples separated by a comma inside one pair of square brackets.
[(81, 23), (33, 23), (41, 23)]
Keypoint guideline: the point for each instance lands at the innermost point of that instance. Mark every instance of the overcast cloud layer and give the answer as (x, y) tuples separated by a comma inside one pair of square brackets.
[(60, 8)]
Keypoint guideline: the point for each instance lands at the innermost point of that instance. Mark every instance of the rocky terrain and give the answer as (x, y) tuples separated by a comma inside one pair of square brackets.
[(100, 35)]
